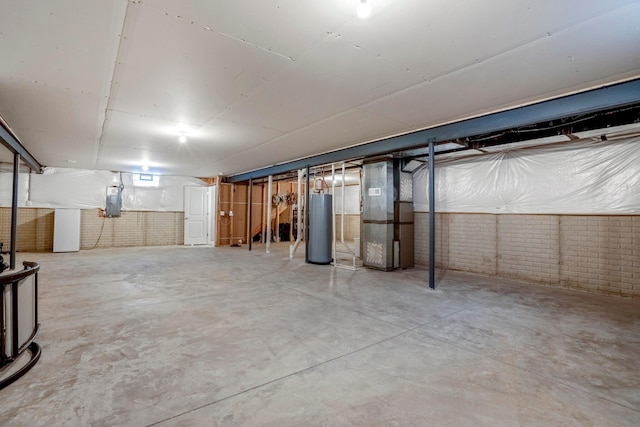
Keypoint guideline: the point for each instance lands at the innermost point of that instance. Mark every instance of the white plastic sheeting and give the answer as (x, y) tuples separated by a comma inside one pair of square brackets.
[(351, 199), (86, 189), (585, 177), (6, 188)]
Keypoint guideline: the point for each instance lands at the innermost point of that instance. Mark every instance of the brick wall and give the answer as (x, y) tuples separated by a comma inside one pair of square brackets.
[(601, 253), (35, 229), (593, 253), (528, 247), (421, 244), (472, 243), (139, 228)]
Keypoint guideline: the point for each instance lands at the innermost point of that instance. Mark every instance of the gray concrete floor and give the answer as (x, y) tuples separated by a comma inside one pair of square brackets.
[(180, 336)]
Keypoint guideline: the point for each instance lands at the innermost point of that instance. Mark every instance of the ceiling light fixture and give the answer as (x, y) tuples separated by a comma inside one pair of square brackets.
[(364, 9), (145, 168), (182, 139)]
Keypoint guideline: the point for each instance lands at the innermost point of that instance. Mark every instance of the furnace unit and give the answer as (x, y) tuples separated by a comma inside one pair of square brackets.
[(387, 217)]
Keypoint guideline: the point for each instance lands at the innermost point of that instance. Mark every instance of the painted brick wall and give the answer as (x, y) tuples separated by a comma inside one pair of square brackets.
[(140, 228), (472, 243), (421, 236), (601, 253), (96, 231), (528, 247), (593, 253), (35, 229)]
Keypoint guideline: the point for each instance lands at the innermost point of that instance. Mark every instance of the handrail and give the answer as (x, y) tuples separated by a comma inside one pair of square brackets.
[(9, 324), (29, 269)]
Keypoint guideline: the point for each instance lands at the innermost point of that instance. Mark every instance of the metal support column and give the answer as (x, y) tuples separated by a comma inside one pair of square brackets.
[(14, 211), (269, 204), (333, 215), (432, 215), (306, 219), (249, 209)]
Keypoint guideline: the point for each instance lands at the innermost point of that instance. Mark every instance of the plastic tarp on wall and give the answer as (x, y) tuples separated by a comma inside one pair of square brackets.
[(351, 200), (6, 188), (86, 189), (584, 177)]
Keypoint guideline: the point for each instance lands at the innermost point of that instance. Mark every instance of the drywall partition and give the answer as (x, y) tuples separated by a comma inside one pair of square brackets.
[(565, 216)]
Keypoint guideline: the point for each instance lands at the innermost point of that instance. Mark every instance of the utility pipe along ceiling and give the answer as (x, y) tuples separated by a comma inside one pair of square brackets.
[(203, 88)]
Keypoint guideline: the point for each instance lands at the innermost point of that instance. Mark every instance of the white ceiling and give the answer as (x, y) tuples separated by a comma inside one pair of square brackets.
[(111, 84)]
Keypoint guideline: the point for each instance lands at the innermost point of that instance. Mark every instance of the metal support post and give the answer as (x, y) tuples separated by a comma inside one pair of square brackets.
[(269, 204), (306, 219), (333, 215), (249, 211), (432, 215), (14, 211)]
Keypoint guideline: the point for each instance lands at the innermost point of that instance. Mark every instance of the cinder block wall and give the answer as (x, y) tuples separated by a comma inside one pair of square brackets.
[(35, 229), (593, 253), (140, 228)]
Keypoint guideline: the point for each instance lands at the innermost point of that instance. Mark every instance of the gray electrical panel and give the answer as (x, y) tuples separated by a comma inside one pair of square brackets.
[(114, 202)]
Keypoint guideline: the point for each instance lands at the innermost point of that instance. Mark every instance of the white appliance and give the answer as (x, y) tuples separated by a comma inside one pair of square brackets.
[(66, 230)]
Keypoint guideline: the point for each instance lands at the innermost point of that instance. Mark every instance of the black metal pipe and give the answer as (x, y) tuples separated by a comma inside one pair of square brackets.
[(14, 211), (432, 215), (249, 211), (306, 219)]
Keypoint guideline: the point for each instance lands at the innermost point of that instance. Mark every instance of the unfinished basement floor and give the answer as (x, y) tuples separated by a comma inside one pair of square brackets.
[(200, 336)]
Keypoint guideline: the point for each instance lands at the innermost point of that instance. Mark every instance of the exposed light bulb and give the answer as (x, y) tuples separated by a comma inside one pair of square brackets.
[(364, 9), (145, 168), (182, 139)]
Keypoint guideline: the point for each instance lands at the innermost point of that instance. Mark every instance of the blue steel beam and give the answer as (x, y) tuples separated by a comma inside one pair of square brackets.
[(9, 140), (588, 102)]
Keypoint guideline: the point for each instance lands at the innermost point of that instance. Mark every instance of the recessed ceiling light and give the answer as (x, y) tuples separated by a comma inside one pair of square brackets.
[(364, 9), (182, 139)]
